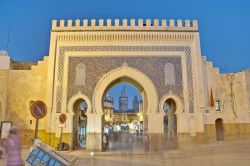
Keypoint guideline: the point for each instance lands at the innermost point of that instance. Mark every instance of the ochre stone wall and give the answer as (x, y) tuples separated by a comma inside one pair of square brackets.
[(24, 86), (232, 132), (4, 75)]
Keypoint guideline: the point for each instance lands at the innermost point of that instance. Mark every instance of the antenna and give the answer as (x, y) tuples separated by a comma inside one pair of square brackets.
[(8, 41)]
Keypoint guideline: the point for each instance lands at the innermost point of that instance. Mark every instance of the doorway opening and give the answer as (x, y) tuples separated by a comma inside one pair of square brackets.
[(219, 129), (80, 124), (123, 116), (170, 124)]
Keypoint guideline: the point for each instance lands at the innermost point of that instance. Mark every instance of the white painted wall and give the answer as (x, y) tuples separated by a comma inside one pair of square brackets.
[(4, 60)]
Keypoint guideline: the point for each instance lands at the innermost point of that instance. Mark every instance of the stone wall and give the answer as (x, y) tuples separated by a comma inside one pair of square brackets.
[(4, 75), (23, 87), (247, 75), (231, 91)]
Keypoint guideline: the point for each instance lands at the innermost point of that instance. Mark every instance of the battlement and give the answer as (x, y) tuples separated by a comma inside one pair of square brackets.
[(125, 24)]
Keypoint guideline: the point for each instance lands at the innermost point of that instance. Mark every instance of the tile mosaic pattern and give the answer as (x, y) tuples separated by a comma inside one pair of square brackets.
[(153, 67)]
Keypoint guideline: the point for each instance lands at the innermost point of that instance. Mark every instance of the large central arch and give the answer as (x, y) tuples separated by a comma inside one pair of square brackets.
[(133, 76)]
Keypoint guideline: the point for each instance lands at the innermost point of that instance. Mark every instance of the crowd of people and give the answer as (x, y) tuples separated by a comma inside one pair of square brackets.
[(124, 136)]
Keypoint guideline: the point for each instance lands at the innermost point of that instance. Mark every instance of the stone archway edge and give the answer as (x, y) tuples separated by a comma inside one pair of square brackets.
[(133, 74), (178, 101), (74, 98)]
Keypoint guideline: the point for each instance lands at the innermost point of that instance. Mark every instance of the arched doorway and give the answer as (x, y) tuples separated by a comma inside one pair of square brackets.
[(170, 124), (123, 115), (219, 129), (80, 124), (149, 97)]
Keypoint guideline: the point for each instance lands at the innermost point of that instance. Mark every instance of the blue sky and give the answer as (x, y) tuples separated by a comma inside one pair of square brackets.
[(224, 24), (131, 91)]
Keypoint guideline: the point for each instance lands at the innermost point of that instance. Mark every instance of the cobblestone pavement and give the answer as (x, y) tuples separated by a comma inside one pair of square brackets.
[(221, 154)]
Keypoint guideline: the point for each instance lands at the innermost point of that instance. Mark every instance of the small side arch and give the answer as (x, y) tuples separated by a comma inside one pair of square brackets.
[(219, 129), (177, 100), (74, 98)]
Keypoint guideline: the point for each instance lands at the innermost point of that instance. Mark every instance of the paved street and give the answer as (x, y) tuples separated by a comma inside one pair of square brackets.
[(221, 154)]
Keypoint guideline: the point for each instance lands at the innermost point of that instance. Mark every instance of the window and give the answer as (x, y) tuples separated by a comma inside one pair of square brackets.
[(217, 105)]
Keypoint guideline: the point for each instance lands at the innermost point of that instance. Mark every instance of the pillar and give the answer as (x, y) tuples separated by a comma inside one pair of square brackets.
[(94, 132), (155, 131)]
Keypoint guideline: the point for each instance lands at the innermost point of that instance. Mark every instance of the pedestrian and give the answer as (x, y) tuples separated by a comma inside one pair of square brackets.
[(146, 142), (104, 142), (2, 152), (13, 148)]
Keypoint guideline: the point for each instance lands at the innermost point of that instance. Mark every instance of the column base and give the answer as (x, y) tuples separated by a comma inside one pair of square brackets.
[(94, 142), (156, 142)]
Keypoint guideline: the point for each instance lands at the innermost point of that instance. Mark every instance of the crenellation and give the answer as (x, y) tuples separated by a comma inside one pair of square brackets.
[(77, 23), (187, 23), (140, 22), (171, 23), (125, 22), (69, 23), (54, 24), (179, 23), (85, 22), (148, 22), (116, 24), (93, 22), (195, 23), (132, 22), (109, 22), (156, 22), (62, 23), (163, 22), (101, 22)]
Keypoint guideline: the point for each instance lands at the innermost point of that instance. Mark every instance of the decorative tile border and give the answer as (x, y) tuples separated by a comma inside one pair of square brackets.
[(131, 62)]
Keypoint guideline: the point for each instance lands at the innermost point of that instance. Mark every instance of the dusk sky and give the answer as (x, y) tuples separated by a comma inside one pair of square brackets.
[(224, 25), (131, 91)]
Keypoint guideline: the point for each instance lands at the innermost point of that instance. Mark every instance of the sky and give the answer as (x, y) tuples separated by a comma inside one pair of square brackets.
[(130, 90), (224, 25)]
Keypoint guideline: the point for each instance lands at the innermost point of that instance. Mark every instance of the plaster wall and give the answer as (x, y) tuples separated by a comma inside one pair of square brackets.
[(4, 75), (23, 87), (4, 61)]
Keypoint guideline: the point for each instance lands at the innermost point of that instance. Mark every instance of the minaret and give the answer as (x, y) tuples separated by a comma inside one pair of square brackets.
[(123, 101), (135, 104)]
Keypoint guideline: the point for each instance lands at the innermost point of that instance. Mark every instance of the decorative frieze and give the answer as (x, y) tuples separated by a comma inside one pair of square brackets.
[(126, 37)]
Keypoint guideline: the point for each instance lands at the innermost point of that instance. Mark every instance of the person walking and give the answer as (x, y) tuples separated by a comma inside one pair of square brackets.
[(146, 142), (13, 148), (104, 142)]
